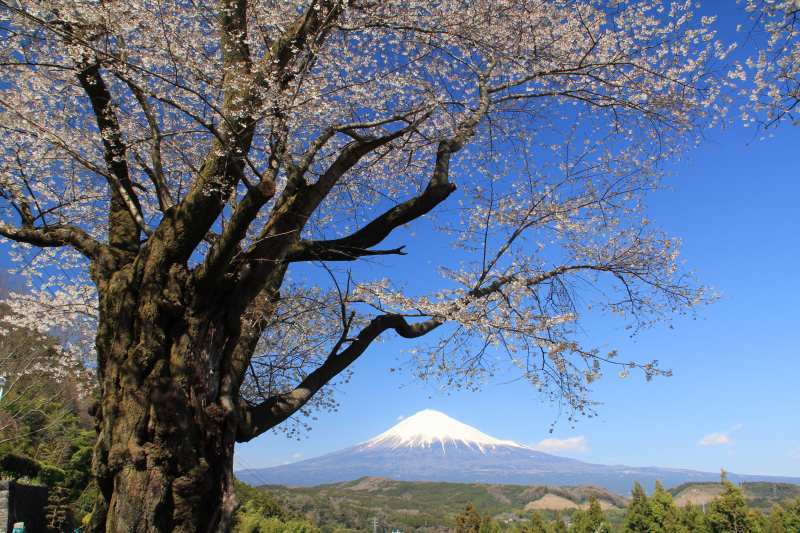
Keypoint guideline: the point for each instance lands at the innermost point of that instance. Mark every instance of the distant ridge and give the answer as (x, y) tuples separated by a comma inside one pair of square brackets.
[(431, 446)]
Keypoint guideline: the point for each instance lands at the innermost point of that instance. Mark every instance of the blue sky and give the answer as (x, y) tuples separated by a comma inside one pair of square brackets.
[(734, 203), (734, 399)]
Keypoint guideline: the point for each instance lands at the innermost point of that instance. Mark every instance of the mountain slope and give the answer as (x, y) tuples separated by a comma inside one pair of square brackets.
[(431, 446), (430, 428)]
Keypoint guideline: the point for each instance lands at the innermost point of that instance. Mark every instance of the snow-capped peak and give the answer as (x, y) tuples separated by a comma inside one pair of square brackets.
[(428, 428)]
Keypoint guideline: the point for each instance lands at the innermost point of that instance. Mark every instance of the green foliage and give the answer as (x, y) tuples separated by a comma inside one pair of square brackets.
[(665, 515), (758, 494), (412, 505), (259, 500), (469, 521), (45, 432), (656, 514), (775, 520), (489, 526), (693, 519), (791, 517), (637, 518), (419, 505), (250, 521), (783, 519), (591, 520), (260, 512), (558, 525), (537, 525), (16, 466), (729, 513)]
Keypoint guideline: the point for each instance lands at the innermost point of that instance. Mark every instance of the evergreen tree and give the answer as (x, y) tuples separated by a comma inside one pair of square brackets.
[(693, 519), (469, 521), (758, 521), (558, 525), (728, 512), (637, 517), (775, 520), (657, 514), (591, 520), (791, 516), (665, 517), (489, 526), (537, 525)]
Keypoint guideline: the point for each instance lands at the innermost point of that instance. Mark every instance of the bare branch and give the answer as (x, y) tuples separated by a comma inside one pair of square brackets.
[(438, 189), (296, 205), (156, 173), (260, 418)]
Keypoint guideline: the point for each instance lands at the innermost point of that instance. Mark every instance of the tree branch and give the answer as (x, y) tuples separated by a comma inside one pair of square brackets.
[(297, 204), (335, 250), (55, 236), (156, 173), (357, 244), (438, 189), (125, 214), (187, 225), (260, 418)]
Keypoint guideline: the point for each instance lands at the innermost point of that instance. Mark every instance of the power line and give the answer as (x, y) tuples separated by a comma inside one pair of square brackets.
[(252, 472)]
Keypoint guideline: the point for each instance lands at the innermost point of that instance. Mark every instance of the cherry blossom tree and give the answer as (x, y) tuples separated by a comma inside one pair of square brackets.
[(775, 91), (173, 171)]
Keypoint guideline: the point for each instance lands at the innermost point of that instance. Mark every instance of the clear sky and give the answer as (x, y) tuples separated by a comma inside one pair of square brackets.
[(734, 401), (734, 201)]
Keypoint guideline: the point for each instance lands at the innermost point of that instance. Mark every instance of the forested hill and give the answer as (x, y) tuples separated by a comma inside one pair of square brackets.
[(403, 504), (415, 504), (759, 495)]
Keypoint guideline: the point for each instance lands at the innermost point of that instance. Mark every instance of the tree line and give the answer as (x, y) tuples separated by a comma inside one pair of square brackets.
[(729, 512)]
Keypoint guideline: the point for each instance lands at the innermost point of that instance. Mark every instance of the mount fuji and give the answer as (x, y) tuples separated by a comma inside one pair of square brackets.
[(431, 446)]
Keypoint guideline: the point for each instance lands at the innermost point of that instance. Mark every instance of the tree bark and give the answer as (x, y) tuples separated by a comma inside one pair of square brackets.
[(164, 454)]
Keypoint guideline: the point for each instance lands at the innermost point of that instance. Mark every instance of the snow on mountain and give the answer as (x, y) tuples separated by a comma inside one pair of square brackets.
[(429, 428), (431, 446)]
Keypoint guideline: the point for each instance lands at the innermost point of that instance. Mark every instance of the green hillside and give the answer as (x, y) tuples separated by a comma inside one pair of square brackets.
[(429, 506), (404, 505), (759, 495)]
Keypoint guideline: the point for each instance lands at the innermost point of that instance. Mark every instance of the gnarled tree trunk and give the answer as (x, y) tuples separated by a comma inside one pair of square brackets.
[(166, 431)]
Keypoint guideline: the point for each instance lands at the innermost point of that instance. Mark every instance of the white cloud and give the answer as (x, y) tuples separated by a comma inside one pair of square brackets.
[(720, 438), (571, 444), (715, 439), (297, 455)]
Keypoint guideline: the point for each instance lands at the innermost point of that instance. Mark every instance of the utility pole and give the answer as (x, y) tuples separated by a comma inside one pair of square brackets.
[(374, 524), (2, 385)]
